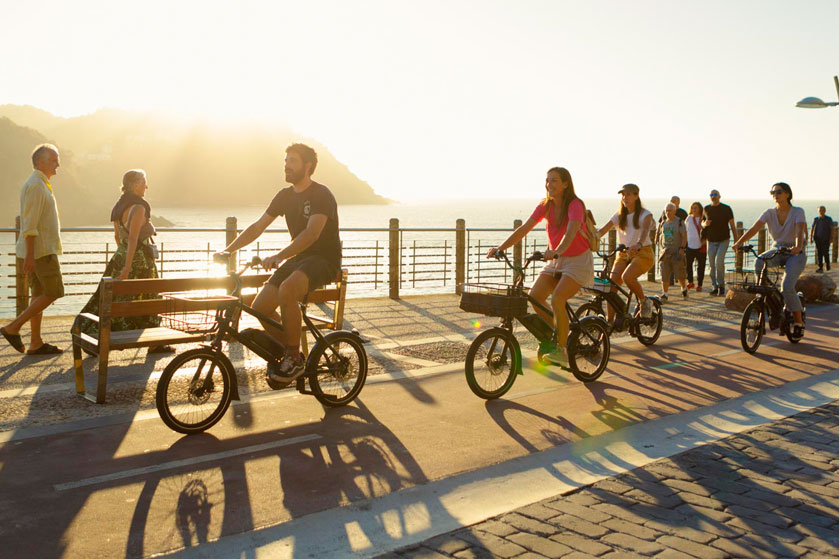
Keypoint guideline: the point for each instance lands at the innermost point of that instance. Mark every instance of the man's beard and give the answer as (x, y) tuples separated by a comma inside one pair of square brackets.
[(293, 177)]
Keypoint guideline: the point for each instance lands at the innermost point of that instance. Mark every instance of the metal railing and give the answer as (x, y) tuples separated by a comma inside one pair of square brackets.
[(381, 261)]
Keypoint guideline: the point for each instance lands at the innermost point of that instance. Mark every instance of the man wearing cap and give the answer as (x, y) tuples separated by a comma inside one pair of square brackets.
[(718, 221), (37, 249)]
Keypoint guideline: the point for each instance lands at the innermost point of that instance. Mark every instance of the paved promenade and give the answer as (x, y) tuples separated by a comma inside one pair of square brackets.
[(680, 449)]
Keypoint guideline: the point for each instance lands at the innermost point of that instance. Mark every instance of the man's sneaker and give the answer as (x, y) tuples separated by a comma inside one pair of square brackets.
[(685, 292), (714, 292), (819, 270), (798, 331), (698, 288), (291, 367), (558, 357), (646, 308), (691, 285), (663, 298), (828, 266)]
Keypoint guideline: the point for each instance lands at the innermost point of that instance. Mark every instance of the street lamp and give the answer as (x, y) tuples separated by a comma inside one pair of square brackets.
[(815, 102)]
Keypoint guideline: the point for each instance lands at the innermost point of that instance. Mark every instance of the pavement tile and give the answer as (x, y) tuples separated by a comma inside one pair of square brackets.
[(631, 543), (668, 470), (543, 546), (653, 511), (631, 528), (763, 517), (808, 514), (422, 553), (480, 542), (533, 555), (683, 487), (741, 549), (613, 485), (538, 511), (584, 527), (496, 527), (585, 512), (820, 545), (743, 499), (589, 546), (691, 548), (447, 543), (617, 511), (527, 524), (668, 501), (707, 502), (583, 498), (673, 554), (579, 555), (697, 534), (623, 554)]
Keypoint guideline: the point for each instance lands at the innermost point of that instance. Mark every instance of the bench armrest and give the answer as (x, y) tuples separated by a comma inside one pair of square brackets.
[(91, 317)]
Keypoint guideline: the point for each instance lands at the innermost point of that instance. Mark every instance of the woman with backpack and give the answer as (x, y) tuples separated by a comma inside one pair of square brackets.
[(697, 250), (571, 236)]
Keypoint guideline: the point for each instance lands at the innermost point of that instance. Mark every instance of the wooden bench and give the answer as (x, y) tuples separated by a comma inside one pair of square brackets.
[(109, 340)]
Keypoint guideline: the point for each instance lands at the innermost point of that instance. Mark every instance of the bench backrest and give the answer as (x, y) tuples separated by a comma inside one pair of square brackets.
[(110, 288)]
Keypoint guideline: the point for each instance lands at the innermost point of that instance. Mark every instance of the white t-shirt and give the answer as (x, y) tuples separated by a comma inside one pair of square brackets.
[(632, 236), (783, 234), (694, 225)]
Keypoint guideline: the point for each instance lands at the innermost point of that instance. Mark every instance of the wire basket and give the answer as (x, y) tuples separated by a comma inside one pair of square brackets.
[(745, 279), (493, 299), (192, 314)]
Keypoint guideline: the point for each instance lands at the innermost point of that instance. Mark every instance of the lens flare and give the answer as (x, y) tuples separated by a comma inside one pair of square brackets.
[(476, 324)]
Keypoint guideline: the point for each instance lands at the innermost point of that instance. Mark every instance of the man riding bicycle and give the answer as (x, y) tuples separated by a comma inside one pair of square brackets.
[(312, 259)]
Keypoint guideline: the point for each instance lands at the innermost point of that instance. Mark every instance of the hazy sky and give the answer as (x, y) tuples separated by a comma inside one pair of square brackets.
[(468, 98)]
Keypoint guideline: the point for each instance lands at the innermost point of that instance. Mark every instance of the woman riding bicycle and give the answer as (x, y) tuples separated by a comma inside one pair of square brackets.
[(788, 226), (570, 264), (634, 233)]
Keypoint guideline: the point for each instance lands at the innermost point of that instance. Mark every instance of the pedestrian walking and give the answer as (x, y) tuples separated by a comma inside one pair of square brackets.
[(672, 242), (820, 234), (718, 220), (681, 214), (37, 251), (697, 250)]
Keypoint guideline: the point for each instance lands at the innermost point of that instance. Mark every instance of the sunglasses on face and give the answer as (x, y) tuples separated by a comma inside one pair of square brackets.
[(715, 195), (776, 191)]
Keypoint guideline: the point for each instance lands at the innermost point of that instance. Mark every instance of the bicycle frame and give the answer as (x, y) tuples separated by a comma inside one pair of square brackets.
[(765, 287)]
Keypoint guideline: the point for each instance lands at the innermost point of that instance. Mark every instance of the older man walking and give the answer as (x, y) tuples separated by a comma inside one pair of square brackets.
[(38, 248)]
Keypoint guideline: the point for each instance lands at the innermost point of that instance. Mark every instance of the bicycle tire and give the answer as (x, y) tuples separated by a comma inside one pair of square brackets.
[(657, 324), (592, 308), (497, 353), (338, 368), (753, 323), (589, 339), (194, 393)]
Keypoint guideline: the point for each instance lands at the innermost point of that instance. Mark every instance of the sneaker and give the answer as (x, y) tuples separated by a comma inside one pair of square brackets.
[(698, 288), (819, 270), (646, 308), (828, 266), (558, 357), (663, 297), (798, 331), (291, 367), (691, 285), (714, 292), (685, 292)]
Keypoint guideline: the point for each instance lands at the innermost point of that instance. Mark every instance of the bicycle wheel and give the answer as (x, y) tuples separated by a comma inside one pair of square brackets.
[(649, 329), (492, 362), (591, 308), (588, 349), (337, 368), (752, 326), (194, 390)]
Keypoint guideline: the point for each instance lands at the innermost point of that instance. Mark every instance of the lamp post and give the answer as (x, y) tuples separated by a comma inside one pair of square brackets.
[(816, 103)]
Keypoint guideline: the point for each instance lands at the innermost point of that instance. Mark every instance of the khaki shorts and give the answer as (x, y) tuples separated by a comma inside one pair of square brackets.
[(580, 268), (645, 258), (47, 277), (669, 266)]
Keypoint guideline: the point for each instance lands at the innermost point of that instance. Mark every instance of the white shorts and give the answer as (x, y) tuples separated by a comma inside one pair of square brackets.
[(580, 267)]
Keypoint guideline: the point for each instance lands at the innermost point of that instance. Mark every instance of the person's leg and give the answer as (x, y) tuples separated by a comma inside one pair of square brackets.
[(720, 267), (617, 278), (630, 276), (690, 256), (666, 272), (266, 302), (713, 248), (541, 289), (291, 293), (700, 270), (566, 288), (792, 270)]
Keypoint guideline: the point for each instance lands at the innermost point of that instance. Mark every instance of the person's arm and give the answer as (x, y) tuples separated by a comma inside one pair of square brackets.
[(800, 237), (749, 234), (250, 234), (136, 219), (30, 216), (301, 242), (516, 236), (733, 228), (116, 233), (813, 230), (606, 228)]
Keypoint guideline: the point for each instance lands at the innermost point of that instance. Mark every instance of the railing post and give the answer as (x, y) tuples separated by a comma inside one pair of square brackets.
[(835, 243), (613, 244), (651, 273), (738, 256), (229, 236), (761, 241), (393, 258), (517, 249), (21, 287), (460, 255)]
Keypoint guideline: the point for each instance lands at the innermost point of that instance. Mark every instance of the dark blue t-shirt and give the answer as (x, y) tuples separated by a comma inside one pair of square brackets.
[(823, 227), (297, 207)]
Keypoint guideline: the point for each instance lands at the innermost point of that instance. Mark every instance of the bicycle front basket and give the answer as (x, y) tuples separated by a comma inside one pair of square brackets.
[(493, 299), (191, 313)]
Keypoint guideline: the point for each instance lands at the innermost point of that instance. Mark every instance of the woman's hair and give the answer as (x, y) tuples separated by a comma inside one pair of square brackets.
[(786, 188), (568, 194), (701, 208), (639, 208), (130, 178)]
